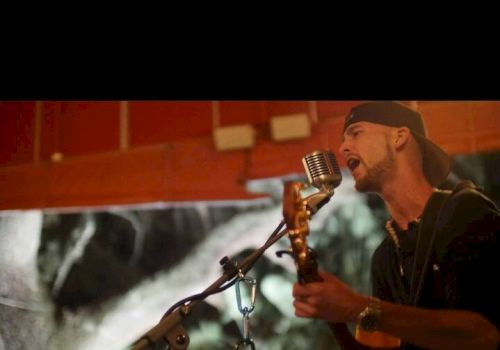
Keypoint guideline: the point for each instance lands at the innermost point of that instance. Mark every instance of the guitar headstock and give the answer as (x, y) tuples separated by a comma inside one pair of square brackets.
[(296, 218)]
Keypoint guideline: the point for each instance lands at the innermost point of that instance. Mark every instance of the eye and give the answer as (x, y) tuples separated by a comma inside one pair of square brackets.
[(353, 133)]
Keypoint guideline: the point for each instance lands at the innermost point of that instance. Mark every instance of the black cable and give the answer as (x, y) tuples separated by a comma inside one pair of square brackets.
[(203, 295), (199, 296), (275, 232)]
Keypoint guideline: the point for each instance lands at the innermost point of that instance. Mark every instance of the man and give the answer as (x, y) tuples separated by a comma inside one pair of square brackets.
[(423, 296)]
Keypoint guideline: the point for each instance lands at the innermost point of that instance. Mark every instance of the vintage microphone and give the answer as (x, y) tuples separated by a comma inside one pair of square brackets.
[(323, 172)]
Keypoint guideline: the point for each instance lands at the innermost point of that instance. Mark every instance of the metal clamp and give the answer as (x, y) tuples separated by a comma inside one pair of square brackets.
[(246, 310), (244, 343), (252, 282), (246, 340)]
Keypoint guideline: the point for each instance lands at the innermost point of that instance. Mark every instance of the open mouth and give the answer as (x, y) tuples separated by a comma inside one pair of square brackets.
[(352, 163)]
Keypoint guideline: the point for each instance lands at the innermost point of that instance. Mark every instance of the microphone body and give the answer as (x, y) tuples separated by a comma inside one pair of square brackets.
[(322, 169), (323, 173)]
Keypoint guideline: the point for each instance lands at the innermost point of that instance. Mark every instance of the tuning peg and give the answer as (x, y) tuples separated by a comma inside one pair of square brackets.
[(280, 253)]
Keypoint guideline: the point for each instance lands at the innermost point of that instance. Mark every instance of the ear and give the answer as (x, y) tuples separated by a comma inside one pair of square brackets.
[(401, 137)]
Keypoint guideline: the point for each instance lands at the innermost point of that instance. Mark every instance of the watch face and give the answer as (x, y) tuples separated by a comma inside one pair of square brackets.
[(369, 318), (369, 322)]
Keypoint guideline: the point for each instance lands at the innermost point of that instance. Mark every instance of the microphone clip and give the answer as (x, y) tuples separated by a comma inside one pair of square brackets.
[(317, 200)]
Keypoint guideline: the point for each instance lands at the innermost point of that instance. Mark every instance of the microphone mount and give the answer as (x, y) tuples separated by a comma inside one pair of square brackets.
[(317, 200)]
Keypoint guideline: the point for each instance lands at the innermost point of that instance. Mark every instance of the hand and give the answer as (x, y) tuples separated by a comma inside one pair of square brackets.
[(330, 300)]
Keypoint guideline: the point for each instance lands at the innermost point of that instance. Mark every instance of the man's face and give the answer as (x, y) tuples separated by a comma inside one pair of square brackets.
[(369, 156)]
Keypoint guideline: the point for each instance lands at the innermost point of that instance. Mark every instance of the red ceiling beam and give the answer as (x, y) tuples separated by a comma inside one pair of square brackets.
[(95, 171)]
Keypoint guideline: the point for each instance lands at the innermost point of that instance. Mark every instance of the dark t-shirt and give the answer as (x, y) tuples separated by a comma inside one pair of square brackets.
[(464, 273)]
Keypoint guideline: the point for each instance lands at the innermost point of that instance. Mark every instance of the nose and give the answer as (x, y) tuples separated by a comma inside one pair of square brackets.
[(344, 148)]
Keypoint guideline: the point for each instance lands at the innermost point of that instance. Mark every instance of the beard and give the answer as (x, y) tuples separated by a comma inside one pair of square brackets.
[(377, 174)]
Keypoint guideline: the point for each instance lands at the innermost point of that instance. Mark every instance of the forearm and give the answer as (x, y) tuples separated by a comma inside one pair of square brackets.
[(438, 329)]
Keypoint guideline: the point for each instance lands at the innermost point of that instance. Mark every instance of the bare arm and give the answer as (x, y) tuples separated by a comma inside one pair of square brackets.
[(439, 329)]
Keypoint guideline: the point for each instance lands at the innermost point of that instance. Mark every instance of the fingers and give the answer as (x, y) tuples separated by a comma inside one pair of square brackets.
[(330, 300), (306, 290), (326, 276), (303, 309), (305, 301), (299, 291)]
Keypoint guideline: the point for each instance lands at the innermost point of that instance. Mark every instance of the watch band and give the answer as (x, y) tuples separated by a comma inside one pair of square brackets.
[(369, 318)]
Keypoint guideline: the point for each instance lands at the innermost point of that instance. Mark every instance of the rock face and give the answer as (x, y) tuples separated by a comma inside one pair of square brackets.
[(25, 309), (88, 258)]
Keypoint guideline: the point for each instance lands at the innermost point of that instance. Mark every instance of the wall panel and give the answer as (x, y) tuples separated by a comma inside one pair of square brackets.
[(160, 122), (17, 131)]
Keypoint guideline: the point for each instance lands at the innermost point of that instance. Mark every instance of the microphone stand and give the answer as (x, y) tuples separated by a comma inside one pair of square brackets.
[(170, 326)]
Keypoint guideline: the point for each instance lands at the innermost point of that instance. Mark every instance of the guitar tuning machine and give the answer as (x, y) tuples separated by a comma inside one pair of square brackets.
[(288, 251)]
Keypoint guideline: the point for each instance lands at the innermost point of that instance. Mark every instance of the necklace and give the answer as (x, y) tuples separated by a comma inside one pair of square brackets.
[(392, 233)]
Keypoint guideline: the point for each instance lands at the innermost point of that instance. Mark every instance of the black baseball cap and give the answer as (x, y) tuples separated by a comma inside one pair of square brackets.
[(436, 162)]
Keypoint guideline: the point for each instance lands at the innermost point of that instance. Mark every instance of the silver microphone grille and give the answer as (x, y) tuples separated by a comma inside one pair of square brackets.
[(322, 169)]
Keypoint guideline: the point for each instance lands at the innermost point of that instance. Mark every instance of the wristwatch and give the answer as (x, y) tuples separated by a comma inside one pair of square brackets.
[(369, 318)]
